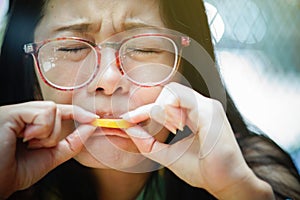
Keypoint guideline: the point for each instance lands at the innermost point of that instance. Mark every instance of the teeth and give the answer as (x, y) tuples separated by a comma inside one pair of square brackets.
[(108, 116)]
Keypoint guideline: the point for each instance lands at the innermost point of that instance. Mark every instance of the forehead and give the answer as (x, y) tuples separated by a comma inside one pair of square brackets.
[(98, 15)]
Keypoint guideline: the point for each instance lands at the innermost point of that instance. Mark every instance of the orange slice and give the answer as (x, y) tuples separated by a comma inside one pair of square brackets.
[(112, 123)]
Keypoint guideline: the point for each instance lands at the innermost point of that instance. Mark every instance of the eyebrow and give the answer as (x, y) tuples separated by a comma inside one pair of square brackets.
[(85, 27), (78, 27), (135, 23)]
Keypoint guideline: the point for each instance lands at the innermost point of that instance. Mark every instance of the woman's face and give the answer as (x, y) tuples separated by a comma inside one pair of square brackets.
[(109, 94)]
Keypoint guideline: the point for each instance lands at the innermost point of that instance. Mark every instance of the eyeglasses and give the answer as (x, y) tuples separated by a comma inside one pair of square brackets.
[(69, 63)]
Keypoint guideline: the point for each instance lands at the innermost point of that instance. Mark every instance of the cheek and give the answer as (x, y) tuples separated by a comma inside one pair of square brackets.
[(51, 94), (144, 95)]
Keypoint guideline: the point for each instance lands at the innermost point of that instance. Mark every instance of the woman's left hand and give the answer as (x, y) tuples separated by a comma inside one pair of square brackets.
[(210, 158)]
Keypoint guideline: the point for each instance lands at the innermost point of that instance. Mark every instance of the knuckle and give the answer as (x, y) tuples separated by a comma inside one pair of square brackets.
[(46, 107), (217, 105), (50, 106), (47, 114), (58, 113), (173, 84), (50, 103), (70, 143), (45, 130), (51, 142), (9, 109)]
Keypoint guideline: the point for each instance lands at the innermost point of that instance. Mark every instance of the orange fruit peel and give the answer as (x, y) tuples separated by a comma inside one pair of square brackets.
[(112, 123)]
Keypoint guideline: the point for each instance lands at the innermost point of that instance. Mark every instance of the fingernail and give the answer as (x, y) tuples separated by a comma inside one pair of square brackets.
[(180, 126), (87, 113), (94, 115), (173, 130), (137, 133), (125, 116), (27, 138)]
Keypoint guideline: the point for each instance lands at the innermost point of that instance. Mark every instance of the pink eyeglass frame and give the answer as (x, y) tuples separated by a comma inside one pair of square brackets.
[(33, 49)]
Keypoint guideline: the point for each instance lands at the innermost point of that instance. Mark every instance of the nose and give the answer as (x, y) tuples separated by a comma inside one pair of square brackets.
[(109, 78)]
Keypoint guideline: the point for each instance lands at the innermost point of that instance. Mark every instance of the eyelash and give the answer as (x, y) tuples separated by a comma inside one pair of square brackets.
[(144, 50), (72, 50)]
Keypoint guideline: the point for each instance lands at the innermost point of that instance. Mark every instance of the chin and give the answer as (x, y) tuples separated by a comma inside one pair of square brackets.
[(114, 152)]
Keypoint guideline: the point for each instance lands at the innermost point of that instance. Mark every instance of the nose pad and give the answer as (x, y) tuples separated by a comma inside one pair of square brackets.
[(109, 78)]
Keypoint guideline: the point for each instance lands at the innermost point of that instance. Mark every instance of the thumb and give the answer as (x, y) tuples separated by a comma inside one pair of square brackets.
[(151, 148), (72, 144), (46, 159)]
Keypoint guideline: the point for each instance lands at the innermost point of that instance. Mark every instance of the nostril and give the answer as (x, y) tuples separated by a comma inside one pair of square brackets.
[(109, 91), (99, 89)]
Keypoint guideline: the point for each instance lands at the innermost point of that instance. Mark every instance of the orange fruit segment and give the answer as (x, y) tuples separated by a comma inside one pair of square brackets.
[(112, 123)]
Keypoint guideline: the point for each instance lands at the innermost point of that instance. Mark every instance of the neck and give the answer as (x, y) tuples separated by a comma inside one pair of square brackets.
[(120, 185)]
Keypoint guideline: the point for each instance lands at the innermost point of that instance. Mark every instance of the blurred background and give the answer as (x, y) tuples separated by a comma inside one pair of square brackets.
[(257, 48), (3, 9), (258, 51)]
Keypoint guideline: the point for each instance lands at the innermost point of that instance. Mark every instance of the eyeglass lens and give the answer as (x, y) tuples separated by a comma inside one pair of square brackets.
[(145, 60)]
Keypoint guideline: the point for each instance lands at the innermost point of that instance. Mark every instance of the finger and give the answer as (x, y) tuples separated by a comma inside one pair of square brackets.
[(41, 125), (142, 113), (153, 111), (77, 113), (145, 142), (47, 134), (52, 139), (170, 117), (138, 115), (177, 95), (30, 110), (47, 159), (35, 112), (151, 148), (176, 116), (65, 149), (73, 143), (174, 96)]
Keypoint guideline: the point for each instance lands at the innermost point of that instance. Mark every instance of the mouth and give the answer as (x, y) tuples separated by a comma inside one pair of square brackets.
[(112, 123), (101, 131)]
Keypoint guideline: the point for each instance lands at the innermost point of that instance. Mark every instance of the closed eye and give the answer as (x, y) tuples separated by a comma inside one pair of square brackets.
[(72, 49), (144, 50)]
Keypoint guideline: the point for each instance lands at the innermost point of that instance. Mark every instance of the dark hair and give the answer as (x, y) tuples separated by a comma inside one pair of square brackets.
[(17, 80), (189, 17)]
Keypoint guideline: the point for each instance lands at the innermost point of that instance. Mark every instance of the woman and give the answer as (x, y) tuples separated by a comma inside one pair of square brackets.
[(82, 81)]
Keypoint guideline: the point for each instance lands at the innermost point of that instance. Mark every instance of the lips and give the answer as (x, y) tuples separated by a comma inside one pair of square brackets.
[(108, 115), (105, 131), (110, 132)]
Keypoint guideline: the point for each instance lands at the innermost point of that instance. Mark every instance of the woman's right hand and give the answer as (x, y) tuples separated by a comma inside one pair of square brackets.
[(26, 126)]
